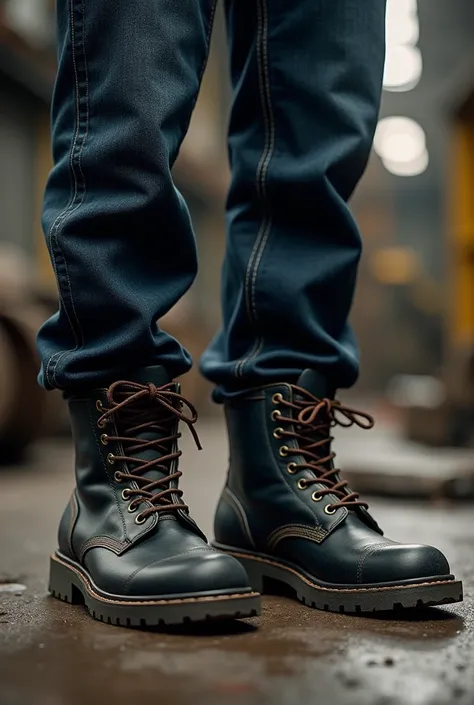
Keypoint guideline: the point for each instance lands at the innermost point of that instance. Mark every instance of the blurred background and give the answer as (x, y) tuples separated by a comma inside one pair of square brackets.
[(414, 316), (414, 310)]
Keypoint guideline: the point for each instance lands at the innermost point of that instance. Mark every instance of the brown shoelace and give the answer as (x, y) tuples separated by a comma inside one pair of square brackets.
[(138, 408), (313, 418)]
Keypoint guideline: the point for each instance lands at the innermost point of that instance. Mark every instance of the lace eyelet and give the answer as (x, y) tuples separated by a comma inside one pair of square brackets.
[(302, 484), (277, 398), (284, 451), (139, 519), (132, 509), (277, 433), (329, 510), (101, 424), (125, 495), (316, 497), (111, 458), (292, 468), (117, 477), (276, 416), (98, 406), (104, 439)]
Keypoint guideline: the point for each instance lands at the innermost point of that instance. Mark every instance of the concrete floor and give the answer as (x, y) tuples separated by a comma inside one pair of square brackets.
[(54, 654)]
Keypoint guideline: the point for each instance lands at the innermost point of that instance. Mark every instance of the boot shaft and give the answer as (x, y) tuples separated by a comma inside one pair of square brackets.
[(281, 471), (127, 473)]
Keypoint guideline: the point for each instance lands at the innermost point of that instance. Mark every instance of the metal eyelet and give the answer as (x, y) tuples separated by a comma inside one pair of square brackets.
[(98, 405), (139, 519), (302, 484), (316, 497), (125, 495), (276, 416), (329, 510), (132, 509), (101, 424), (292, 468), (277, 398), (117, 477), (104, 439), (277, 433), (111, 458), (284, 451)]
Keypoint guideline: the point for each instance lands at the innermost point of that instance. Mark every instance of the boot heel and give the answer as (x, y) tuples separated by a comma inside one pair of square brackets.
[(61, 584)]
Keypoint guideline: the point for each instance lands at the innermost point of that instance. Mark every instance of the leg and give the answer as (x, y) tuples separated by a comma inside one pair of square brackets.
[(307, 79), (289, 277), (118, 231), (123, 251)]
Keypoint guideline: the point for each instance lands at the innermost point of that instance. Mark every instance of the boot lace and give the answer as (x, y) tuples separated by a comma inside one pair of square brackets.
[(310, 425), (138, 408)]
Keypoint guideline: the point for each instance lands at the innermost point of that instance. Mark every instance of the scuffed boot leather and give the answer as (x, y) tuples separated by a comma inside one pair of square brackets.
[(128, 547), (287, 515)]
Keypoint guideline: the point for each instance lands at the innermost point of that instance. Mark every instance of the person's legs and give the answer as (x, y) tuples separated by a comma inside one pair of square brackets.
[(123, 251), (118, 231), (307, 78)]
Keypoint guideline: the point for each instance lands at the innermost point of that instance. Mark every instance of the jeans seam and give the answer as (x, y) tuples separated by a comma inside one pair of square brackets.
[(250, 284), (75, 160)]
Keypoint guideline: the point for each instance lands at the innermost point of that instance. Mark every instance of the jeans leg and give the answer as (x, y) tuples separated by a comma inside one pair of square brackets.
[(307, 80), (118, 231)]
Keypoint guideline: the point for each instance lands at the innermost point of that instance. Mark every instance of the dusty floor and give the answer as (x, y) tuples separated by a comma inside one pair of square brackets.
[(54, 654)]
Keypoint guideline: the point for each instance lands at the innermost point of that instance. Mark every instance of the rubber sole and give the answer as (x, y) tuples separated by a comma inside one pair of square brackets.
[(266, 575), (70, 583)]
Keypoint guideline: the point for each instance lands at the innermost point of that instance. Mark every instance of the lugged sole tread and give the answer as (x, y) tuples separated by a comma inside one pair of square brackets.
[(183, 611), (268, 576)]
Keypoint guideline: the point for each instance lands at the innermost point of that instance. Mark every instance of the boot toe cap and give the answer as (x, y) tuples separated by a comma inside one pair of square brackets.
[(399, 562), (196, 572)]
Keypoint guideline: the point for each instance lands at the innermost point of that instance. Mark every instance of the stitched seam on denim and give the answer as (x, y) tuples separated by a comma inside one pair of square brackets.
[(368, 552), (79, 164), (262, 170), (256, 349), (79, 185), (241, 515), (178, 555), (124, 526), (271, 124), (60, 217)]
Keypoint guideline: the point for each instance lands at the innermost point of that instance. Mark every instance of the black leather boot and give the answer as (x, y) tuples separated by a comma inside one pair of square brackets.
[(288, 517), (128, 547)]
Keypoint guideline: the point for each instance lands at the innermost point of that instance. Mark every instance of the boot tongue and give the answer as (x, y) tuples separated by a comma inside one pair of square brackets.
[(316, 384), (152, 409)]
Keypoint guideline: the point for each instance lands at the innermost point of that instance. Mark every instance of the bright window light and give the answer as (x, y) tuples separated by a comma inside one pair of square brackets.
[(403, 63), (399, 139), (401, 144), (412, 168), (402, 26), (403, 68)]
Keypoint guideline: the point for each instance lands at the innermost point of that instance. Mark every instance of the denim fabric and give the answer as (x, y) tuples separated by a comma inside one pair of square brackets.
[(307, 82)]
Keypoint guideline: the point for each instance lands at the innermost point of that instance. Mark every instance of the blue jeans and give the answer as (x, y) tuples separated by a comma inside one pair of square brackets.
[(307, 78)]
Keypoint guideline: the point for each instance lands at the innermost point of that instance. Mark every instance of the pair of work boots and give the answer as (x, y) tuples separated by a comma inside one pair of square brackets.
[(129, 549)]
